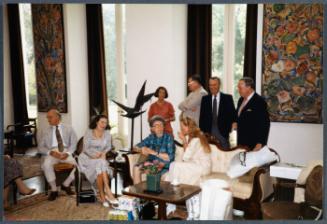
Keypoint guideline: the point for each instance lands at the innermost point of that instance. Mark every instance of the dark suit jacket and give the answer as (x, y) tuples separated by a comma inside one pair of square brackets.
[(226, 114), (253, 124)]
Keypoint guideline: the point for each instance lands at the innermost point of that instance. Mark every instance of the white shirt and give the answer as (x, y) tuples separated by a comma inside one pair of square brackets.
[(218, 101), (246, 102), (54, 137), (249, 97)]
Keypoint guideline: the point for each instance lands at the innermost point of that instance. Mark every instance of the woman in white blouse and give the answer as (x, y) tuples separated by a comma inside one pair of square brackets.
[(196, 158), (92, 161)]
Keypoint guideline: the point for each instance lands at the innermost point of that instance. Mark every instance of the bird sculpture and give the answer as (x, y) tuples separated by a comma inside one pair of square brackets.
[(133, 112)]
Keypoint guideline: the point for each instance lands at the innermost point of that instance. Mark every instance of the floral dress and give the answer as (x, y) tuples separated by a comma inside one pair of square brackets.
[(93, 167)]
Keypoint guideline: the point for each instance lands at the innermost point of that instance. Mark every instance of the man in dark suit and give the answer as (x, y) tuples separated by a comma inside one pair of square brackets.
[(217, 113), (253, 122)]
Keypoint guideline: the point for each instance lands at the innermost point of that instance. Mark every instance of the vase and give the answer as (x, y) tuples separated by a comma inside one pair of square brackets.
[(153, 182)]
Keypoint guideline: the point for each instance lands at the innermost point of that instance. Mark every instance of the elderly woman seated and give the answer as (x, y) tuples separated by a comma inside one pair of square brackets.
[(158, 146)]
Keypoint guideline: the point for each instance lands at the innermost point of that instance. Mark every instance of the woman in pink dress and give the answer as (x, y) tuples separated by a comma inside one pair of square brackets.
[(163, 108)]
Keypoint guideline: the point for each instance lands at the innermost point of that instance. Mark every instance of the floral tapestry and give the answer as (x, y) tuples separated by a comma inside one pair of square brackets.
[(292, 81), (49, 48)]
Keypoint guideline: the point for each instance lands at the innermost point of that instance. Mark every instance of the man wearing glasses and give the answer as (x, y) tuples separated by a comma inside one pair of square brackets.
[(191, 105)]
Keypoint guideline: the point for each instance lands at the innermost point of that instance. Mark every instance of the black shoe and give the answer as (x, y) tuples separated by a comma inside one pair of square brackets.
[(67, 189), (53, 195)]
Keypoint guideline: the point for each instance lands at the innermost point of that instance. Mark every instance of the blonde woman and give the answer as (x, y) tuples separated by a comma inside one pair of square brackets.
[(196, 158)]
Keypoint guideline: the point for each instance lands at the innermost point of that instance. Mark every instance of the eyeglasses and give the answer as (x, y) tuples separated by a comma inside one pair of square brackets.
[(242, 158)]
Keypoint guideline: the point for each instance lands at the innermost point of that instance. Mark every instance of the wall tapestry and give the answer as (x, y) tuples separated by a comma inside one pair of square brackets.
[(48, 31), (292, 81)]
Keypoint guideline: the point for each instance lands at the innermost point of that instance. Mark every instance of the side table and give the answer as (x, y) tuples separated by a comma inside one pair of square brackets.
[(119, 167), (286, 175)]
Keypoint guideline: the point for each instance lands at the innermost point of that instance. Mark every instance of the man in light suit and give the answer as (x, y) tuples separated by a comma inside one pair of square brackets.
[(191, 105), (58, 143), (218, 114), (253, 121)]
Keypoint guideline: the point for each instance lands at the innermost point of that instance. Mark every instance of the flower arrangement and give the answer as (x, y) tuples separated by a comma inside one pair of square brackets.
[(153, 167)]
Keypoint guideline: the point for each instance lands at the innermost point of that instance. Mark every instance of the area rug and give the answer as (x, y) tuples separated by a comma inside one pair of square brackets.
[(64, 207), (38, 208), (31, 165)]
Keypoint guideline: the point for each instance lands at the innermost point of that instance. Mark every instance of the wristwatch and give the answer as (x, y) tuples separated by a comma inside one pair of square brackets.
[(158, 154)]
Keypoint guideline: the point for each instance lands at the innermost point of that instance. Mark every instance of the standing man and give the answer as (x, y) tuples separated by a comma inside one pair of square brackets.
[(58, 143), (191, 105), (253, 119), (218, 114)]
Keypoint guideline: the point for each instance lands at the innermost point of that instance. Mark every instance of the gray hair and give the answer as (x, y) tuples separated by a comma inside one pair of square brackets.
[(248, 81), (156, 118)]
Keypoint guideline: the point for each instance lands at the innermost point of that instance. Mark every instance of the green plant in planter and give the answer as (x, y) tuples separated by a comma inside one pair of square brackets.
[(153, 175)]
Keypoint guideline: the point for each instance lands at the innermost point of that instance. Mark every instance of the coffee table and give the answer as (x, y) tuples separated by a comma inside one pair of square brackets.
[(170, 194)]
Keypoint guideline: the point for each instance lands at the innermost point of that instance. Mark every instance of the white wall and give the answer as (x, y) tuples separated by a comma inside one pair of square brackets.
[(8, 112), (156, 52), (295, 142), (76, 70)]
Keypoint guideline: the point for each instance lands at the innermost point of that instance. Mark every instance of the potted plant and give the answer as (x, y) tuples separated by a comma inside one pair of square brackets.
[(153, 175)]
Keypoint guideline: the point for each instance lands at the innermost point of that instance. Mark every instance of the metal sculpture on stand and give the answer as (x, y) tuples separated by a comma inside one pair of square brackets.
[(134, 112)]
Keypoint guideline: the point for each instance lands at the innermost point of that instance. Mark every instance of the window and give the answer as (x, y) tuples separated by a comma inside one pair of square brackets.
[(114, 39), (26, 27), (228, 40)]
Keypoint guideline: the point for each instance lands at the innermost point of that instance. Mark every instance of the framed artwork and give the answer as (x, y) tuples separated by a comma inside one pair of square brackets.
[(292, 81), (49, 47)]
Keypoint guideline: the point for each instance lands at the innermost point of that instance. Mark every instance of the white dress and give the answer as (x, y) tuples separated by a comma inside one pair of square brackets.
[(93, 167), (196, 163)]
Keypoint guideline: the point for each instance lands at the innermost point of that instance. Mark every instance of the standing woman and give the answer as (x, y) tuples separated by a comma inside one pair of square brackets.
[(92, 161), (163, 108)]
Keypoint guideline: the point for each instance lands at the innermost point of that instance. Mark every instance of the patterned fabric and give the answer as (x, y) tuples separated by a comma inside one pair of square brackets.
[(164, 144), (93, 167), (13, 170)]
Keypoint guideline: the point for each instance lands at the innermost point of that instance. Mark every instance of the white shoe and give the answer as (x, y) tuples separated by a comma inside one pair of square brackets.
[(112, 201), (105, 204)]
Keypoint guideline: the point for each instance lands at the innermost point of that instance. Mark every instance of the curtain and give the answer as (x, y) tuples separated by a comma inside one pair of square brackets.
[(17, 65), (250, 51), (199, 21), (96, 60)]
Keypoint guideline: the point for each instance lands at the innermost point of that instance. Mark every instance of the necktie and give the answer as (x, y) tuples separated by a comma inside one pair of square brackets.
[(59, 140), (214, 111), (242, 106)]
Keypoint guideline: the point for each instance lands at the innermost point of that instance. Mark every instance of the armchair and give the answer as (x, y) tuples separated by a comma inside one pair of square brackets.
[(310, 208), (21, 135)]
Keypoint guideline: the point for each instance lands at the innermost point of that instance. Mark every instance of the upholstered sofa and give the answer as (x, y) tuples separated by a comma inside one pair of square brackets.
[(248, 190)]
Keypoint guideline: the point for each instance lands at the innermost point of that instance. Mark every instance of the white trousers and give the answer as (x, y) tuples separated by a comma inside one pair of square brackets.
[(47, 167)]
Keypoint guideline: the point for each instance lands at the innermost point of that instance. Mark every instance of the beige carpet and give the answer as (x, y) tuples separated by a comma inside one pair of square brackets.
[(64, 208)]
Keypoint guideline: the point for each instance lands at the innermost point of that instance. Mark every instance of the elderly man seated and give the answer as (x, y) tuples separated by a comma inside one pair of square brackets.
[(158, 146), (58, 143)]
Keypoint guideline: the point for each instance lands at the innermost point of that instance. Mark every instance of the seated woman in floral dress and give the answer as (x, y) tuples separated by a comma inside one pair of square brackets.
[(92, 161)]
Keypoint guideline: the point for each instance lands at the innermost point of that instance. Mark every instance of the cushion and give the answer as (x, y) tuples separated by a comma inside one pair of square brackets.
[(242, 190), (60, 167), (313, 187), (221, 159), (252, 159)]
